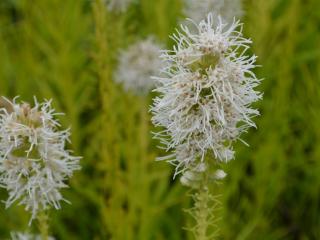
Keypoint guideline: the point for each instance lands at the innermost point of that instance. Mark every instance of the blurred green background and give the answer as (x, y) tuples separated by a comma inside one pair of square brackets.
[(67, 50)]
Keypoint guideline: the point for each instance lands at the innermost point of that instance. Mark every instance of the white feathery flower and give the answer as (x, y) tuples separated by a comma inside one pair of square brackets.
[(34, 163), (27, 236), (137, 64), (118, 5), (227, 9), (206, 93)]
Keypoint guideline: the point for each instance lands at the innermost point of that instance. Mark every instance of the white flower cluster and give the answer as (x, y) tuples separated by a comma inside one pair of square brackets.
[(118, 5), (27, 236), (137, 64), (33, 161), (205, 97), (227, 9)]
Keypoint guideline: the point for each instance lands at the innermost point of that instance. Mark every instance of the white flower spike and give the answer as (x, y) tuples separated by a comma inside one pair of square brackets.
[(137, 64), (118, 5), (227, 9), (34, 164), (27, 236), (205, 96)]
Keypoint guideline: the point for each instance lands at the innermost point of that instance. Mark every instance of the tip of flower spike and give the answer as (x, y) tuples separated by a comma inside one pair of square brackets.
[(206, 92)]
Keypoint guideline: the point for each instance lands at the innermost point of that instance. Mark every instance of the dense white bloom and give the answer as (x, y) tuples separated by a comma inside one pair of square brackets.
[(205, 97), (137, 64), (33, 161), (227, 9), (26, 236), (118, 5)]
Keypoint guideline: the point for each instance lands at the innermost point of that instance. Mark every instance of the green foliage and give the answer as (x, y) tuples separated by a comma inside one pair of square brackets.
[(67, 50)]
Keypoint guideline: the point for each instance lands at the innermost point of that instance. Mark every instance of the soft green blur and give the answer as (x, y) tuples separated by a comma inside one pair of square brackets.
[(67, 49)]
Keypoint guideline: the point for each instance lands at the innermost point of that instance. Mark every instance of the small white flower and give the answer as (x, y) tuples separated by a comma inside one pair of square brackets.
[(137, 64), (33, 161), (118, 5), (27, 236), (219, 174), (205, 97), (193, 178), (227, 9)]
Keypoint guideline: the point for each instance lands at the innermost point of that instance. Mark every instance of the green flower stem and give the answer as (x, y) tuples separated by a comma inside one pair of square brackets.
[(205, 205), (202, 214), (43, 225)]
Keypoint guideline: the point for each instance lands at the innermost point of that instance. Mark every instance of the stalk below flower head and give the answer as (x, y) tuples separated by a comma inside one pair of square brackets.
[(137, 64), (227, 9), (34, 163), (205, 96)]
